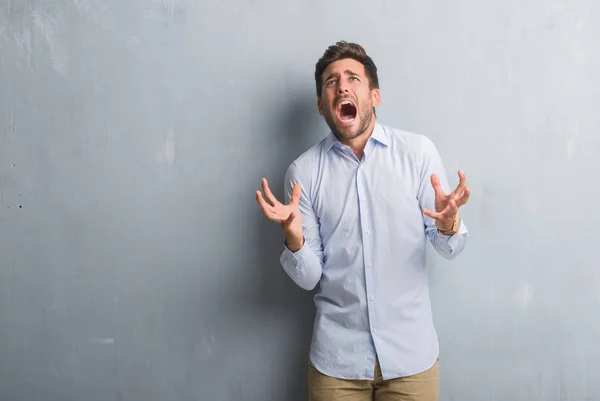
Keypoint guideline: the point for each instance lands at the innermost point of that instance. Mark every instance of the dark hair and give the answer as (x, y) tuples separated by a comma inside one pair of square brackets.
[(342, 50)]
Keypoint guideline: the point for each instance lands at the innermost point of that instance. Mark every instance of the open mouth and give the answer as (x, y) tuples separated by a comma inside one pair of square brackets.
[(346, 111)]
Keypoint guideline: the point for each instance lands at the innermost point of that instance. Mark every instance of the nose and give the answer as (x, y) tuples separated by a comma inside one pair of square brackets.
[(342, 87)]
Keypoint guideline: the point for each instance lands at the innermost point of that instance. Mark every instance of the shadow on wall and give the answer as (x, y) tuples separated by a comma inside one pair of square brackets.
[(255, 325), (297, 130)]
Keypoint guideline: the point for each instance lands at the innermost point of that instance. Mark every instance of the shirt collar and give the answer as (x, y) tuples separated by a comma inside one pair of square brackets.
[(378, 135)]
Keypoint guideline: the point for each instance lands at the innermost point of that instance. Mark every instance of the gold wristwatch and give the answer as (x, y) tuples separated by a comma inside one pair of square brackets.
[(454, 229)]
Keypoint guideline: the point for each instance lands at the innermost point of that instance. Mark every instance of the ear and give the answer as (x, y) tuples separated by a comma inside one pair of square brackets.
[(375, 97), (319, 106)]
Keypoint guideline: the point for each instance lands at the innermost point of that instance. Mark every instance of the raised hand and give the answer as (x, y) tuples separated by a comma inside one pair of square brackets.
[(287, 216), (446, 206)]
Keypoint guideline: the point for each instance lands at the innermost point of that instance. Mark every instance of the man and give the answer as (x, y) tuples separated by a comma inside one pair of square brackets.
[(361, 205)]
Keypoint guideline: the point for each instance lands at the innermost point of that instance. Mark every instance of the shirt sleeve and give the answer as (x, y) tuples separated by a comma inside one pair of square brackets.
[(306, 265), (449, 246)]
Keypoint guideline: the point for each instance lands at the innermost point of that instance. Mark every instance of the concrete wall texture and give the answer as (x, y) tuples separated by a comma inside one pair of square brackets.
[(136, 265)]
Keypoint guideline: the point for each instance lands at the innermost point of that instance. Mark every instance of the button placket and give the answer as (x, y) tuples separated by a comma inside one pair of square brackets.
[(367, 241)]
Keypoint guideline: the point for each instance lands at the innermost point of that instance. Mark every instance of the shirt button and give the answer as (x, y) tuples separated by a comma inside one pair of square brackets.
[(372, 298), (374, 330), (367, 233)]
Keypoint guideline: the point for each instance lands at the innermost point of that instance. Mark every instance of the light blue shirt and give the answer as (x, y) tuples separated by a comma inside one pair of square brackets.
[(365, 238)]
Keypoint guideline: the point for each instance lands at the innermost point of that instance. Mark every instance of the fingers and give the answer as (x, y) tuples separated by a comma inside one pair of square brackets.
[(437, 188), (452, 209), (295, 199), (446, 215), (273, 209), (433, 215), (268, 194), (461, 187), (266, 208), (439, 216), (462, 192), (464, 198), (289, 220), (272, 200), (453, 201)]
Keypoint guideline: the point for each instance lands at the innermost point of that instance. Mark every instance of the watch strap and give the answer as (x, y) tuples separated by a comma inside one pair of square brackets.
[(454, 229)]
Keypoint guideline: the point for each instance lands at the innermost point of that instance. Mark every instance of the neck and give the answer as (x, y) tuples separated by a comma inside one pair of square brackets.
[(357, 144)]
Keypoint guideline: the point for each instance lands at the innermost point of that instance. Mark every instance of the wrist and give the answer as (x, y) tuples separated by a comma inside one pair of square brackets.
[(294, 241), (444, 226), (450, 228)]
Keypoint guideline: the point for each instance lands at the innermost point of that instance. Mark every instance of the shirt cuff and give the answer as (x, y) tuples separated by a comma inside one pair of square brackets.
[(298, 256), (453, 240)]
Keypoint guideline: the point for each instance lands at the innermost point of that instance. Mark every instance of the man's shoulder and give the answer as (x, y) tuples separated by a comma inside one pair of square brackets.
[(406, 140), (311, 155), (309, 159)]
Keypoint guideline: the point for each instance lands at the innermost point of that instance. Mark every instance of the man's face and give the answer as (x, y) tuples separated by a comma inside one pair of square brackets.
[(346, 100)]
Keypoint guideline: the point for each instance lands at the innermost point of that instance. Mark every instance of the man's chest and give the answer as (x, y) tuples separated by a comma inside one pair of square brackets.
[(346, 192)]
